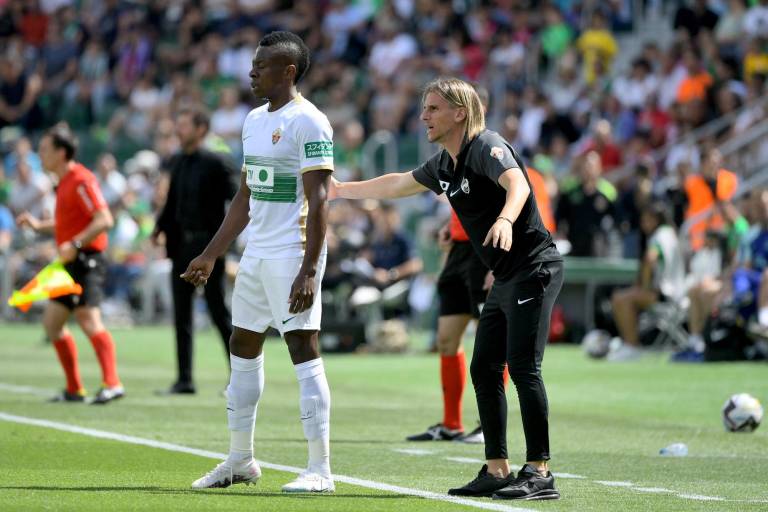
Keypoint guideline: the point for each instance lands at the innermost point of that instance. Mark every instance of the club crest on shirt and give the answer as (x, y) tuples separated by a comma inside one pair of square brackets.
[(276, 136), (497, 153), (465, 186)]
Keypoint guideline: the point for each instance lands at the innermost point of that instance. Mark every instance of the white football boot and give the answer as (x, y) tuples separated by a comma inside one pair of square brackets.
[(228, 473), (310, 482)]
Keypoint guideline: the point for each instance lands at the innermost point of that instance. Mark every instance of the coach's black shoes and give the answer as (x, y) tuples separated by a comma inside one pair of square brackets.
[(178, 388), (437, 432), (529, 485), (66, 396), (485, 485)]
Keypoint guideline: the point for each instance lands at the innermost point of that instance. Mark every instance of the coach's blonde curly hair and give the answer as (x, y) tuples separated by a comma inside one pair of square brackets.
[(460, 94)]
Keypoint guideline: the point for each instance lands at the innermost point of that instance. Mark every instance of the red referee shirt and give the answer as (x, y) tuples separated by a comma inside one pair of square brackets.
[(457, 230), (78, 198)]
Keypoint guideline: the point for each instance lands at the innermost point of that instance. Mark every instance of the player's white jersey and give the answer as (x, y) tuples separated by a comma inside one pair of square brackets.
[(278, 147)]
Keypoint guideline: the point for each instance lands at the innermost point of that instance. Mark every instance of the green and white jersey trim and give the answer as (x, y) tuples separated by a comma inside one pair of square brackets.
[(278, 147)]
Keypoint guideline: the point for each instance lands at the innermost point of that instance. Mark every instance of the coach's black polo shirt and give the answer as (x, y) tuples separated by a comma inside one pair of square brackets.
[(477, 197)]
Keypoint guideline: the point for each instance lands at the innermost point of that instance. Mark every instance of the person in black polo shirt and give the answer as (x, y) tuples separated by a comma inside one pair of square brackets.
[(201, 185), (488, 187)]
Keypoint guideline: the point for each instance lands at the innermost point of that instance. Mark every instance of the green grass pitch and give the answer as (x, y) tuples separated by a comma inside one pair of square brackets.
[(608, 423)]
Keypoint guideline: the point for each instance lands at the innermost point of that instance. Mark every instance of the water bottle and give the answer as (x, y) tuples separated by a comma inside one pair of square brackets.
[(675, 450)]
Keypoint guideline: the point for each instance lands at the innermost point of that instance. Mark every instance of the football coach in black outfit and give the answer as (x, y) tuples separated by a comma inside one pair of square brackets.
[(201, 185), (488, 187)]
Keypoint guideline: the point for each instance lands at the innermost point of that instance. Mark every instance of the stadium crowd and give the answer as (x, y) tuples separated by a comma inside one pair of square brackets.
[(608, 141)]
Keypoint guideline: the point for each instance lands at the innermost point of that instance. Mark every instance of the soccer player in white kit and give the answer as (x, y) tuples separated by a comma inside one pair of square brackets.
[(288, 152)]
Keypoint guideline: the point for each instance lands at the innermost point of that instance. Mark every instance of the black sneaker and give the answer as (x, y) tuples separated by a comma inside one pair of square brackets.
[(66, 396), (436, 432), (106, 395), (485, 485), (529, 485), (474, 437), (178, 388)]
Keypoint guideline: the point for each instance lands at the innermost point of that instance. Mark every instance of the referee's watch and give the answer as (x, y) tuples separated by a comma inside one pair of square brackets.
[(77, 244)]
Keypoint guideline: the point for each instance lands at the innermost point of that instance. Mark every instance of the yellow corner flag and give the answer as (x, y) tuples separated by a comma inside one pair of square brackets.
[(51, 282)]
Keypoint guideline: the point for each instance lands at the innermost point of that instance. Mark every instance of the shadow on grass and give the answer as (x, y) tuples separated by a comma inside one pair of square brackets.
[(213, 492)]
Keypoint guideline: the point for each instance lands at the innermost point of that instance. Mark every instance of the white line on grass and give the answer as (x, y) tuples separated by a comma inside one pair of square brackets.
[(413, 451), (113, 436), (465, 460), (28, 390)]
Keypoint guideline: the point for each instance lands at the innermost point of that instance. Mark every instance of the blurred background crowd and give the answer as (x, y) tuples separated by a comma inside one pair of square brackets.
[(616, 104)]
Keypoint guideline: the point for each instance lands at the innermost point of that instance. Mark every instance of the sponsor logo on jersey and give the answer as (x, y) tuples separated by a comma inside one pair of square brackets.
[(318, 149), (444, 185), (276, 136)]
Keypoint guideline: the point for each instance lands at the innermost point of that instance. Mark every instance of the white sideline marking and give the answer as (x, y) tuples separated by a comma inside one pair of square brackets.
[(113, 436), (655, 490), (568, 475), (465, 460), (413, 451), (611, 483), (29, 390), (700, 497)]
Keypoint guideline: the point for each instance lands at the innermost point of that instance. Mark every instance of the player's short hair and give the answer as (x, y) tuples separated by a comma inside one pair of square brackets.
[(460, 94), (63, 138), (199, 115), (660, 212), (293, 47)]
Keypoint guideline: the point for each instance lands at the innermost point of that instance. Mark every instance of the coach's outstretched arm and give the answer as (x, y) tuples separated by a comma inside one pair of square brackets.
[(234, 223), (389, 186)]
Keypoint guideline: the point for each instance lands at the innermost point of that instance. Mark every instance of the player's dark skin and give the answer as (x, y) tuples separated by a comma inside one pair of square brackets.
[(273, 74)]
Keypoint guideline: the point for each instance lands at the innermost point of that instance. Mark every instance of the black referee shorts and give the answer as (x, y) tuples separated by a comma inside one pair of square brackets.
[(89, 270), (460, 285)]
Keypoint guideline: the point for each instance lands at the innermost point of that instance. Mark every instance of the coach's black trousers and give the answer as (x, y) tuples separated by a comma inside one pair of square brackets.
[(183, 303), (513, 328)]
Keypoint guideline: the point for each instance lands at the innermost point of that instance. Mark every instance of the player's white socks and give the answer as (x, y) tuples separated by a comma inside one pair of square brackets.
[(315, 404), (245, 386)]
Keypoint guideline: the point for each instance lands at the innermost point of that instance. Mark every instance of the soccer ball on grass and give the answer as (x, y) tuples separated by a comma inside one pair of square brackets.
[(742, 413)]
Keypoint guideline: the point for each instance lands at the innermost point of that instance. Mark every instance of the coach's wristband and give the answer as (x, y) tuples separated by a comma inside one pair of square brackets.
[(506, 219)]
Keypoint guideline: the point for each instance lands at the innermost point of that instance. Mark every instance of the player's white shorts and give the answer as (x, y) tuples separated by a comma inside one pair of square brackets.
[(260, 297)]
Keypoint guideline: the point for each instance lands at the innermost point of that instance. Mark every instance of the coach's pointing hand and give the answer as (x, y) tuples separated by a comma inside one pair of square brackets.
[(500, 234), (199, 270)]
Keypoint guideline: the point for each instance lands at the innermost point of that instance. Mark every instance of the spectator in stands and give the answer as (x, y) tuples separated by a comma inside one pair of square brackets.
[(585, 210), (227, 120), (710, 272), (22, 151), (756, 19), (701, 191), (633, 90), (29, 191), (748, 293), (602, 142), (390, 255), (112, 182), (690, 20), (662, 272), (556, 36), (19, 95), (597, 46)]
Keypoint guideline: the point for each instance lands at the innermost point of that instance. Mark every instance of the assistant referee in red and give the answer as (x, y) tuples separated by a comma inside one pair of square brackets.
[(80, 224)]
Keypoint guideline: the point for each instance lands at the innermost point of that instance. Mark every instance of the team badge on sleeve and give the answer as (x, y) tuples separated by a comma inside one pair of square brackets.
[(497, 152), (276, 136)]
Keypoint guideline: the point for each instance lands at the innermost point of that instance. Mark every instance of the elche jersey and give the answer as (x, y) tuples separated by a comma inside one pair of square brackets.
[(278, 147)]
